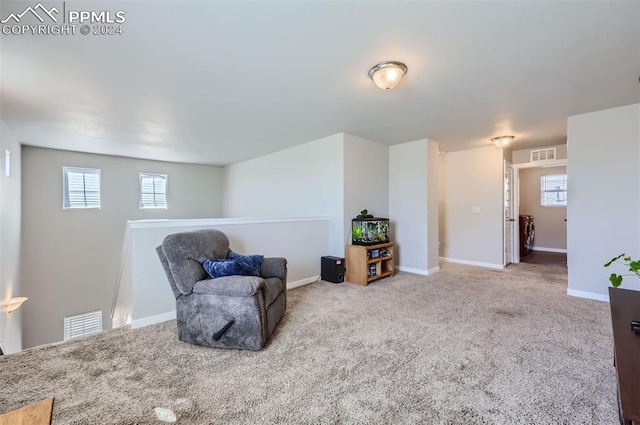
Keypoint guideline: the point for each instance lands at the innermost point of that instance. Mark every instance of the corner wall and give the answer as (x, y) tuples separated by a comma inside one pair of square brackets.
[(413, 204), (603, 208), (71, 258), (10, 225)]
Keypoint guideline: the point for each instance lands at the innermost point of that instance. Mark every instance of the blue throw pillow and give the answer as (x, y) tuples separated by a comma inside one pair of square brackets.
[(219, 268), (250, 263)]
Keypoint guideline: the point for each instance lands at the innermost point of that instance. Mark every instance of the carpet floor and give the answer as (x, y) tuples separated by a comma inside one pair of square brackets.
[(463, 346)]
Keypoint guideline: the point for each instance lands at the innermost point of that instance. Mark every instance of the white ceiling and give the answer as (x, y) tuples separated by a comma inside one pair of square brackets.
[(221, 82)]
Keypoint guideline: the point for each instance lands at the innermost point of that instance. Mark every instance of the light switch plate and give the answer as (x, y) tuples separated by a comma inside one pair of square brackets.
[(475, 210)]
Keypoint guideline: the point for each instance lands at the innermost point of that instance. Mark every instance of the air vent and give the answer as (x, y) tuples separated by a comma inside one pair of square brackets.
[(82, 324), (542, 154)]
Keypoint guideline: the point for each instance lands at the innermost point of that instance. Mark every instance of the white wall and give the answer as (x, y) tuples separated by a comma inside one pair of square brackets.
[(524, 155), (473, 178), (603, 197), (303, 181), (550, 227), (413, 204), (71, 258), (366, 180), (10, 225), (144, 295)]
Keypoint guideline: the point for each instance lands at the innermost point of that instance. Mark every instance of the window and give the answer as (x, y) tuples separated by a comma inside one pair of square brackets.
[(553, 190), (82, 324), (153, 191), (81, 188)]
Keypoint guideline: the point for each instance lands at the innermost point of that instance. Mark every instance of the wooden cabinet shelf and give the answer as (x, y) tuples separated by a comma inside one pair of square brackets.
[(366, 263)]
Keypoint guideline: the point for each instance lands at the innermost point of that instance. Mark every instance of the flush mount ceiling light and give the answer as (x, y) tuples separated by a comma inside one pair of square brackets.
[(502, 141), (387, 75)]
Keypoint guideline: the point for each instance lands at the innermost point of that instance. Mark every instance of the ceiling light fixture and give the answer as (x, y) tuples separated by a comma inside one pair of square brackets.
[(387, 75), (14, 303), (502, 141)]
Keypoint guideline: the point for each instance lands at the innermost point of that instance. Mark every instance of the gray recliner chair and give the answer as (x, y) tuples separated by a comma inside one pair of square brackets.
[(226, 312)]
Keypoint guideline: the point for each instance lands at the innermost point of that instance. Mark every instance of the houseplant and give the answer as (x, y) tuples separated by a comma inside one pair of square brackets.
[(634, 268)]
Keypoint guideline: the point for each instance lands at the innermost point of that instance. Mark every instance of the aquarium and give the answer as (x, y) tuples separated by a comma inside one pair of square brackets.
[(369, 231)]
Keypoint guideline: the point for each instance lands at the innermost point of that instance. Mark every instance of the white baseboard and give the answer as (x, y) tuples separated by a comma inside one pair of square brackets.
[(152, 320), (588, 295), (418, 271), (542, 248), (473, 263), (301, 282)]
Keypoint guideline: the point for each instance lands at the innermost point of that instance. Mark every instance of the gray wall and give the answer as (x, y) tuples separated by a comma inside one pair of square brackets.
[(302, 181), (473, 178), (10, 223), (551, 229), (366, 180), (71, 258), (604, 196), (413, 204)]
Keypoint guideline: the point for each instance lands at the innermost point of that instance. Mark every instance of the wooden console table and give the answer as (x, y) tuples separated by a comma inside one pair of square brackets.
[(625, 307), (35, 414)]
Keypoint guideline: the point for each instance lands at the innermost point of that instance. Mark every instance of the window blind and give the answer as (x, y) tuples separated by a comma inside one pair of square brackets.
[(153, 191), (82, 324), (81, 187), (553, 190)]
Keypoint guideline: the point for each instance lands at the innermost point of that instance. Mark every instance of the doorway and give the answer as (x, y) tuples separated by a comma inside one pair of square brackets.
[(539, 203)]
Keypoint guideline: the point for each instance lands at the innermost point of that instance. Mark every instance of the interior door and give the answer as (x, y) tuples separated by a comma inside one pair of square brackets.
[(508, 213)]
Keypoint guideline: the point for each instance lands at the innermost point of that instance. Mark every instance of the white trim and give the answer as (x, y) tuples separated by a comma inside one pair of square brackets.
[(160, 223), (152, 320), (473, 263), (542, 248), (418, 271), (588, 295), (123, 250), (542, 164), (412, 270), (302, 282)]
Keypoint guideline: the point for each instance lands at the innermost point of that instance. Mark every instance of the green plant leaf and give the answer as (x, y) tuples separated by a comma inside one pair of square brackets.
[(634, 266), (616, 280), (614, 260)]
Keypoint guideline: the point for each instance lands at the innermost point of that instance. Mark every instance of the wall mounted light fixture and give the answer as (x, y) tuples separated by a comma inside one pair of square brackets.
[(502, 141), (387, 75), (15, 303)]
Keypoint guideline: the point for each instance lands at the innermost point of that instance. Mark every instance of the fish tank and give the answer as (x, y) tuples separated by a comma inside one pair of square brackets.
[(369, 230)]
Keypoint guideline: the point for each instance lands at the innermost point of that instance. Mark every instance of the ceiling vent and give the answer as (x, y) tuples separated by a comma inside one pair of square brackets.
[(542, 154)]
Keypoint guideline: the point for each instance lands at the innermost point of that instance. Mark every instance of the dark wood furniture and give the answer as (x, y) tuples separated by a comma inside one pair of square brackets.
[(625, 308)]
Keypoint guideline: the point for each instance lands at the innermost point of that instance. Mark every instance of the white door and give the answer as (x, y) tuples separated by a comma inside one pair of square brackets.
[(509, 220)]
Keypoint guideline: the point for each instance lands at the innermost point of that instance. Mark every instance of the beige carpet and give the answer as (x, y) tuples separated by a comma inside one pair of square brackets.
[(464, 346)]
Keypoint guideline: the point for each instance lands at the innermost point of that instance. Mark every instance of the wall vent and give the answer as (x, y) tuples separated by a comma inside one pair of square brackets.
[(82, 324), (542, 154)]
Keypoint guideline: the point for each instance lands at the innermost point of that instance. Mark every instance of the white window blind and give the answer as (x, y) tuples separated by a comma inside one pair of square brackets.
[(153, 191), (553, 190), (81, 187), (82, 324)]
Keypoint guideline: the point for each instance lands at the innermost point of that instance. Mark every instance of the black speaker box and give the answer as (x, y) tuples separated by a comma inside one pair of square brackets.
[(332, 269)]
